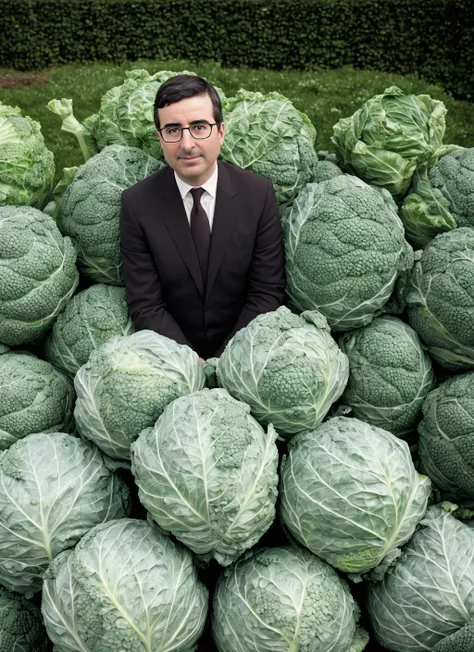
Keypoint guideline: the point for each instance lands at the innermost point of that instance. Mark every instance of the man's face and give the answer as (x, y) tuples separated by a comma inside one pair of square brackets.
[(193, 160)]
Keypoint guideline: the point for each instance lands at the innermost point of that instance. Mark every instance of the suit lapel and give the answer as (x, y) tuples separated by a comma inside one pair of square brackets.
[(225, 214), (176, 221)]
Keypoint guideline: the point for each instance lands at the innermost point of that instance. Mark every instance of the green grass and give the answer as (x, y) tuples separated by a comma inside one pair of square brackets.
[(325, 95)]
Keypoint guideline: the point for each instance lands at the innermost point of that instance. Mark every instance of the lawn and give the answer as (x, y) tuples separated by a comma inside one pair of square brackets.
[(325, 95)]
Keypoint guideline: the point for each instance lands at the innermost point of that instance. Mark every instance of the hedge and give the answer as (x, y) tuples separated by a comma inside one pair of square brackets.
[(432, 38)]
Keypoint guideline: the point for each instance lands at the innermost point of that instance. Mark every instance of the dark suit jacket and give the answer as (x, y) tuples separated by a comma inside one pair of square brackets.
[(163, 280)]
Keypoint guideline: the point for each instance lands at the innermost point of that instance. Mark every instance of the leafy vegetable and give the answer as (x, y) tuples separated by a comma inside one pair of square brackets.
[(285, 600), (35, 397), (53, 489), (425, 601), (446, 436), (266, 134), (345, 248), (125, 116), (386, 139), (440, 298), (350, 493), (21, 627), (90, 208), (124, 587), (27, 166), (207, 473), (390, 374), (38, 273), (286, 367), (441, 196), (127, 383), (91, 318)]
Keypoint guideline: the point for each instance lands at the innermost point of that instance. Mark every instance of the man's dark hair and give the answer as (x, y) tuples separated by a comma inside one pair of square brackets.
[(180, 87)]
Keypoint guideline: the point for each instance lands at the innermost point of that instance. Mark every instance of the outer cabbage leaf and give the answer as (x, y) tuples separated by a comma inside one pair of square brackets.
[(127, 383), (286, 367), (440, 298), (53, 489), (446, 436), (21, 627), (351, 494), (268, 135), (90, 208), (390, 374), (207, 473), (91, 318), (426, 601), (386, 139), (125, 116), (345, 248), (27, 166), (284, 600), (441, 196), (38, 273), (35, 397), (94, 602)]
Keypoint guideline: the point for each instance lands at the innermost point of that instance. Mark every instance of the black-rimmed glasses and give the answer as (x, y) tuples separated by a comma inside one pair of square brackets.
[(198, 131)]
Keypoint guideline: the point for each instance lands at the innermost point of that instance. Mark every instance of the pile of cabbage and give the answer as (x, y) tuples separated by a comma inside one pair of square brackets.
[(308, 490)]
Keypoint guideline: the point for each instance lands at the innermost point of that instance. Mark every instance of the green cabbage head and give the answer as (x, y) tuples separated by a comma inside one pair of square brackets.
[(440, 298), (35, 397), (285, 600), (345, 248), (207, 473), (124, 587), (386, 139), (441, 196), (390, 374), (91, 318), (446, 436), (286, 367), (127, 383), (27, 166), (21, 626), (269, 136), (38, 273), (426, 601), (350, 493), (54, 489), (90, 208)]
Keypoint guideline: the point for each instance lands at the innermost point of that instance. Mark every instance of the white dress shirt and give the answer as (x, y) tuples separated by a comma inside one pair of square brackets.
[(208, 199)]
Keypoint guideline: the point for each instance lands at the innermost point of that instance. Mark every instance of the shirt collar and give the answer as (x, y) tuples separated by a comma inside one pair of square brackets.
[(210, 186)]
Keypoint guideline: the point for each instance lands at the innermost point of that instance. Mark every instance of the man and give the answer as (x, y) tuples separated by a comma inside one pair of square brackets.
[(199, 264)]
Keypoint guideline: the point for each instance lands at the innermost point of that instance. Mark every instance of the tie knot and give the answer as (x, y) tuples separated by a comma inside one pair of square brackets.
[(197, 194)]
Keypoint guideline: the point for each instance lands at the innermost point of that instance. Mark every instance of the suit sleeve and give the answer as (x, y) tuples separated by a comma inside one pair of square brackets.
[(266, 290), (146, 304)]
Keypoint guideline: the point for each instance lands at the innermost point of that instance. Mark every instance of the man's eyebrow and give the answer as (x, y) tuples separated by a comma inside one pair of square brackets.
[(194, 122)]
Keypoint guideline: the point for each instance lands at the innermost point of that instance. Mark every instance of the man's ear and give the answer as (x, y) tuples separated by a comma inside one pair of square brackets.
[(222, 131)]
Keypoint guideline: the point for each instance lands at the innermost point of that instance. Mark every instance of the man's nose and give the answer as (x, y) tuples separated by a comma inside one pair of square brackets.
[(187, 140)]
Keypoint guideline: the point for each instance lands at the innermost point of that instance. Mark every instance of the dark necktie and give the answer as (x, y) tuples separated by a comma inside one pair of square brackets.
[(200, 231)]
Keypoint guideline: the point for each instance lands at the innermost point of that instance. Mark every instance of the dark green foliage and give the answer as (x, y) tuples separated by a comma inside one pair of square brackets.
[(432, 38)]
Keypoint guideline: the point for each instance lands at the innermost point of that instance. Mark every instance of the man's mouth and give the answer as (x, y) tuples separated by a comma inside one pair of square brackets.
[(190, 158)]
